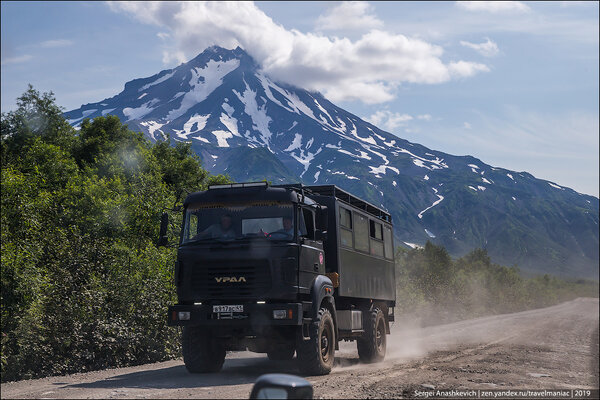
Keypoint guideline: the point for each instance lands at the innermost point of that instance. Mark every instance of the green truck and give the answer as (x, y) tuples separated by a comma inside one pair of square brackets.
[(282, 270)]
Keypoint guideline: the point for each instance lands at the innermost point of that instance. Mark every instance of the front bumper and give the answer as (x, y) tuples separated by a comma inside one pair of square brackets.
[(253, 315)]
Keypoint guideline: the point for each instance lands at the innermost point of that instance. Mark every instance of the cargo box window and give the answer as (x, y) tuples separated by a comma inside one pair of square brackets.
[(361, 233), (345, 218), (376, 231), (376, 238), (387, 240), (346, 228)]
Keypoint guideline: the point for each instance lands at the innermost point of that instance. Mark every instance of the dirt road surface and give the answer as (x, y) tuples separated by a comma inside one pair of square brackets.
[(549, 348)]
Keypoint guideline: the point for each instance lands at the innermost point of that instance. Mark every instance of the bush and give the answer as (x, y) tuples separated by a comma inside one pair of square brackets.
[(436, 289), (83, 285)]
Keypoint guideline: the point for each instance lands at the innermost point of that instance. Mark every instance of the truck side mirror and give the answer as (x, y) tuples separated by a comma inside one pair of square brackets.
[(164, 225), (322, 218), (281, 386)]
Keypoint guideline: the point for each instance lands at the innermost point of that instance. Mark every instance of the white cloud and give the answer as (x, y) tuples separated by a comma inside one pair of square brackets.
[(56, 43), (493, 6), (425, 117), (388, 120), (17, 59), (467, 125), (349, 15), (463, 69), (486, 49), (368, 69)]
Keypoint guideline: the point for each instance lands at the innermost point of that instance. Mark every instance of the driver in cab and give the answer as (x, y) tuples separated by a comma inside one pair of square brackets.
[(224, 229), (288, 227)]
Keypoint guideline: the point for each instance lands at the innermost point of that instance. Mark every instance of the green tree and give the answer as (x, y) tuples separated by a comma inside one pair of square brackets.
[(83, 284)]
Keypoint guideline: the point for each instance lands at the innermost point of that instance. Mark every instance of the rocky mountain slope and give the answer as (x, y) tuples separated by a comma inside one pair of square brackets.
[(244, 124)]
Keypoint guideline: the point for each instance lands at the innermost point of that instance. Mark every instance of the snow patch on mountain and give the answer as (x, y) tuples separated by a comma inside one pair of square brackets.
[(296, 143), (382, 170), (259, 116), (222, 137), (156, 82), (305, 159), (368, 139), (85, 113), (196, 121), (437, 163), (141, 111), (230, 123), (153, 126), (555, 186), (435, 203), (323, 111), (202, 83), (228, 109), (266, 85)]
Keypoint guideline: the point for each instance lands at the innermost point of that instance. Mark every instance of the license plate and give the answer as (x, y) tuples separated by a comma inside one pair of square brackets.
[(236, 308)]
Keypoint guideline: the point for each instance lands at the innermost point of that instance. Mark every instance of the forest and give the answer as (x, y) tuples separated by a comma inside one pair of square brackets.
[(83, 284)]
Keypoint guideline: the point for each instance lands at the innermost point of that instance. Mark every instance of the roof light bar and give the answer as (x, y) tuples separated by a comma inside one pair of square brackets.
[(239, 185)]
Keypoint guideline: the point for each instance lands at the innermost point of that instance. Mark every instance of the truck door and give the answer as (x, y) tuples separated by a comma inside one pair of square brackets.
[(312, 258)]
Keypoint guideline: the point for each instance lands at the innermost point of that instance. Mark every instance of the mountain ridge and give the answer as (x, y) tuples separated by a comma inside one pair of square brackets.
[(235, 116)]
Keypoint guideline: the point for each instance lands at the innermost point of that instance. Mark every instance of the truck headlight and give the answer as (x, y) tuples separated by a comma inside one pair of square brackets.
[(279, 314)]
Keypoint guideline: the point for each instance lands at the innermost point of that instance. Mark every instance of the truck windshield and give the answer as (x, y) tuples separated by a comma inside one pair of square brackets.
[(227, 222)]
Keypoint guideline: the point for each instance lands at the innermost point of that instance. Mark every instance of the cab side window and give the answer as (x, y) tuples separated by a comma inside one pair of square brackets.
[(309, 221)]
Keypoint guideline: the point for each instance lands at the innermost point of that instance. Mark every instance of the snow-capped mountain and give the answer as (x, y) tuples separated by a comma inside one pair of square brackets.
[(244, 124)]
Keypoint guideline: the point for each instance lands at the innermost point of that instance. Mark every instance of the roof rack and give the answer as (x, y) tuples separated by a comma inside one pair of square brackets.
[(333, 190), (237, 185)]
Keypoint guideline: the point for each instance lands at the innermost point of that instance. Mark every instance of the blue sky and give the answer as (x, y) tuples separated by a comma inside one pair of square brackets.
[(512, 83)]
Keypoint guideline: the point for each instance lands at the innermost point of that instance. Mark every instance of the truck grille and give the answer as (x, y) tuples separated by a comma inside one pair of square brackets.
[(215, 281)]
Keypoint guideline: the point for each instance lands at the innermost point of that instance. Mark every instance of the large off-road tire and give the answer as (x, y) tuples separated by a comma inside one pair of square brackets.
[(316, 355), (281, 354), (201, 353), (371, 347)]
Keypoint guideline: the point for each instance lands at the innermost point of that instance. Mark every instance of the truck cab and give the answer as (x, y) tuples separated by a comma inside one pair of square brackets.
[(258, 268)]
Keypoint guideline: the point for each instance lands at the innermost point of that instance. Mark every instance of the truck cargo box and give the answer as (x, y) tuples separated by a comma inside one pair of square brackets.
[(359, 246)]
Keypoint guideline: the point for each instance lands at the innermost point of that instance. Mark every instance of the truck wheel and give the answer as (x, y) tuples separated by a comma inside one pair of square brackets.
[(201, 353), (371, 347), (281, 354), (316, 355)]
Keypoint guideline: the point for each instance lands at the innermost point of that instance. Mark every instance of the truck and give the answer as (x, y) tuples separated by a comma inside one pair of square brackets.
[(282, 270)]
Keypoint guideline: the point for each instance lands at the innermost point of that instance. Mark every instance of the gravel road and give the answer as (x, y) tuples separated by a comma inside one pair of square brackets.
[(549, 348)]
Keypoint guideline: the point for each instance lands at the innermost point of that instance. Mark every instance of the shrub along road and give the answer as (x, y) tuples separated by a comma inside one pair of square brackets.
[(554, 347)]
